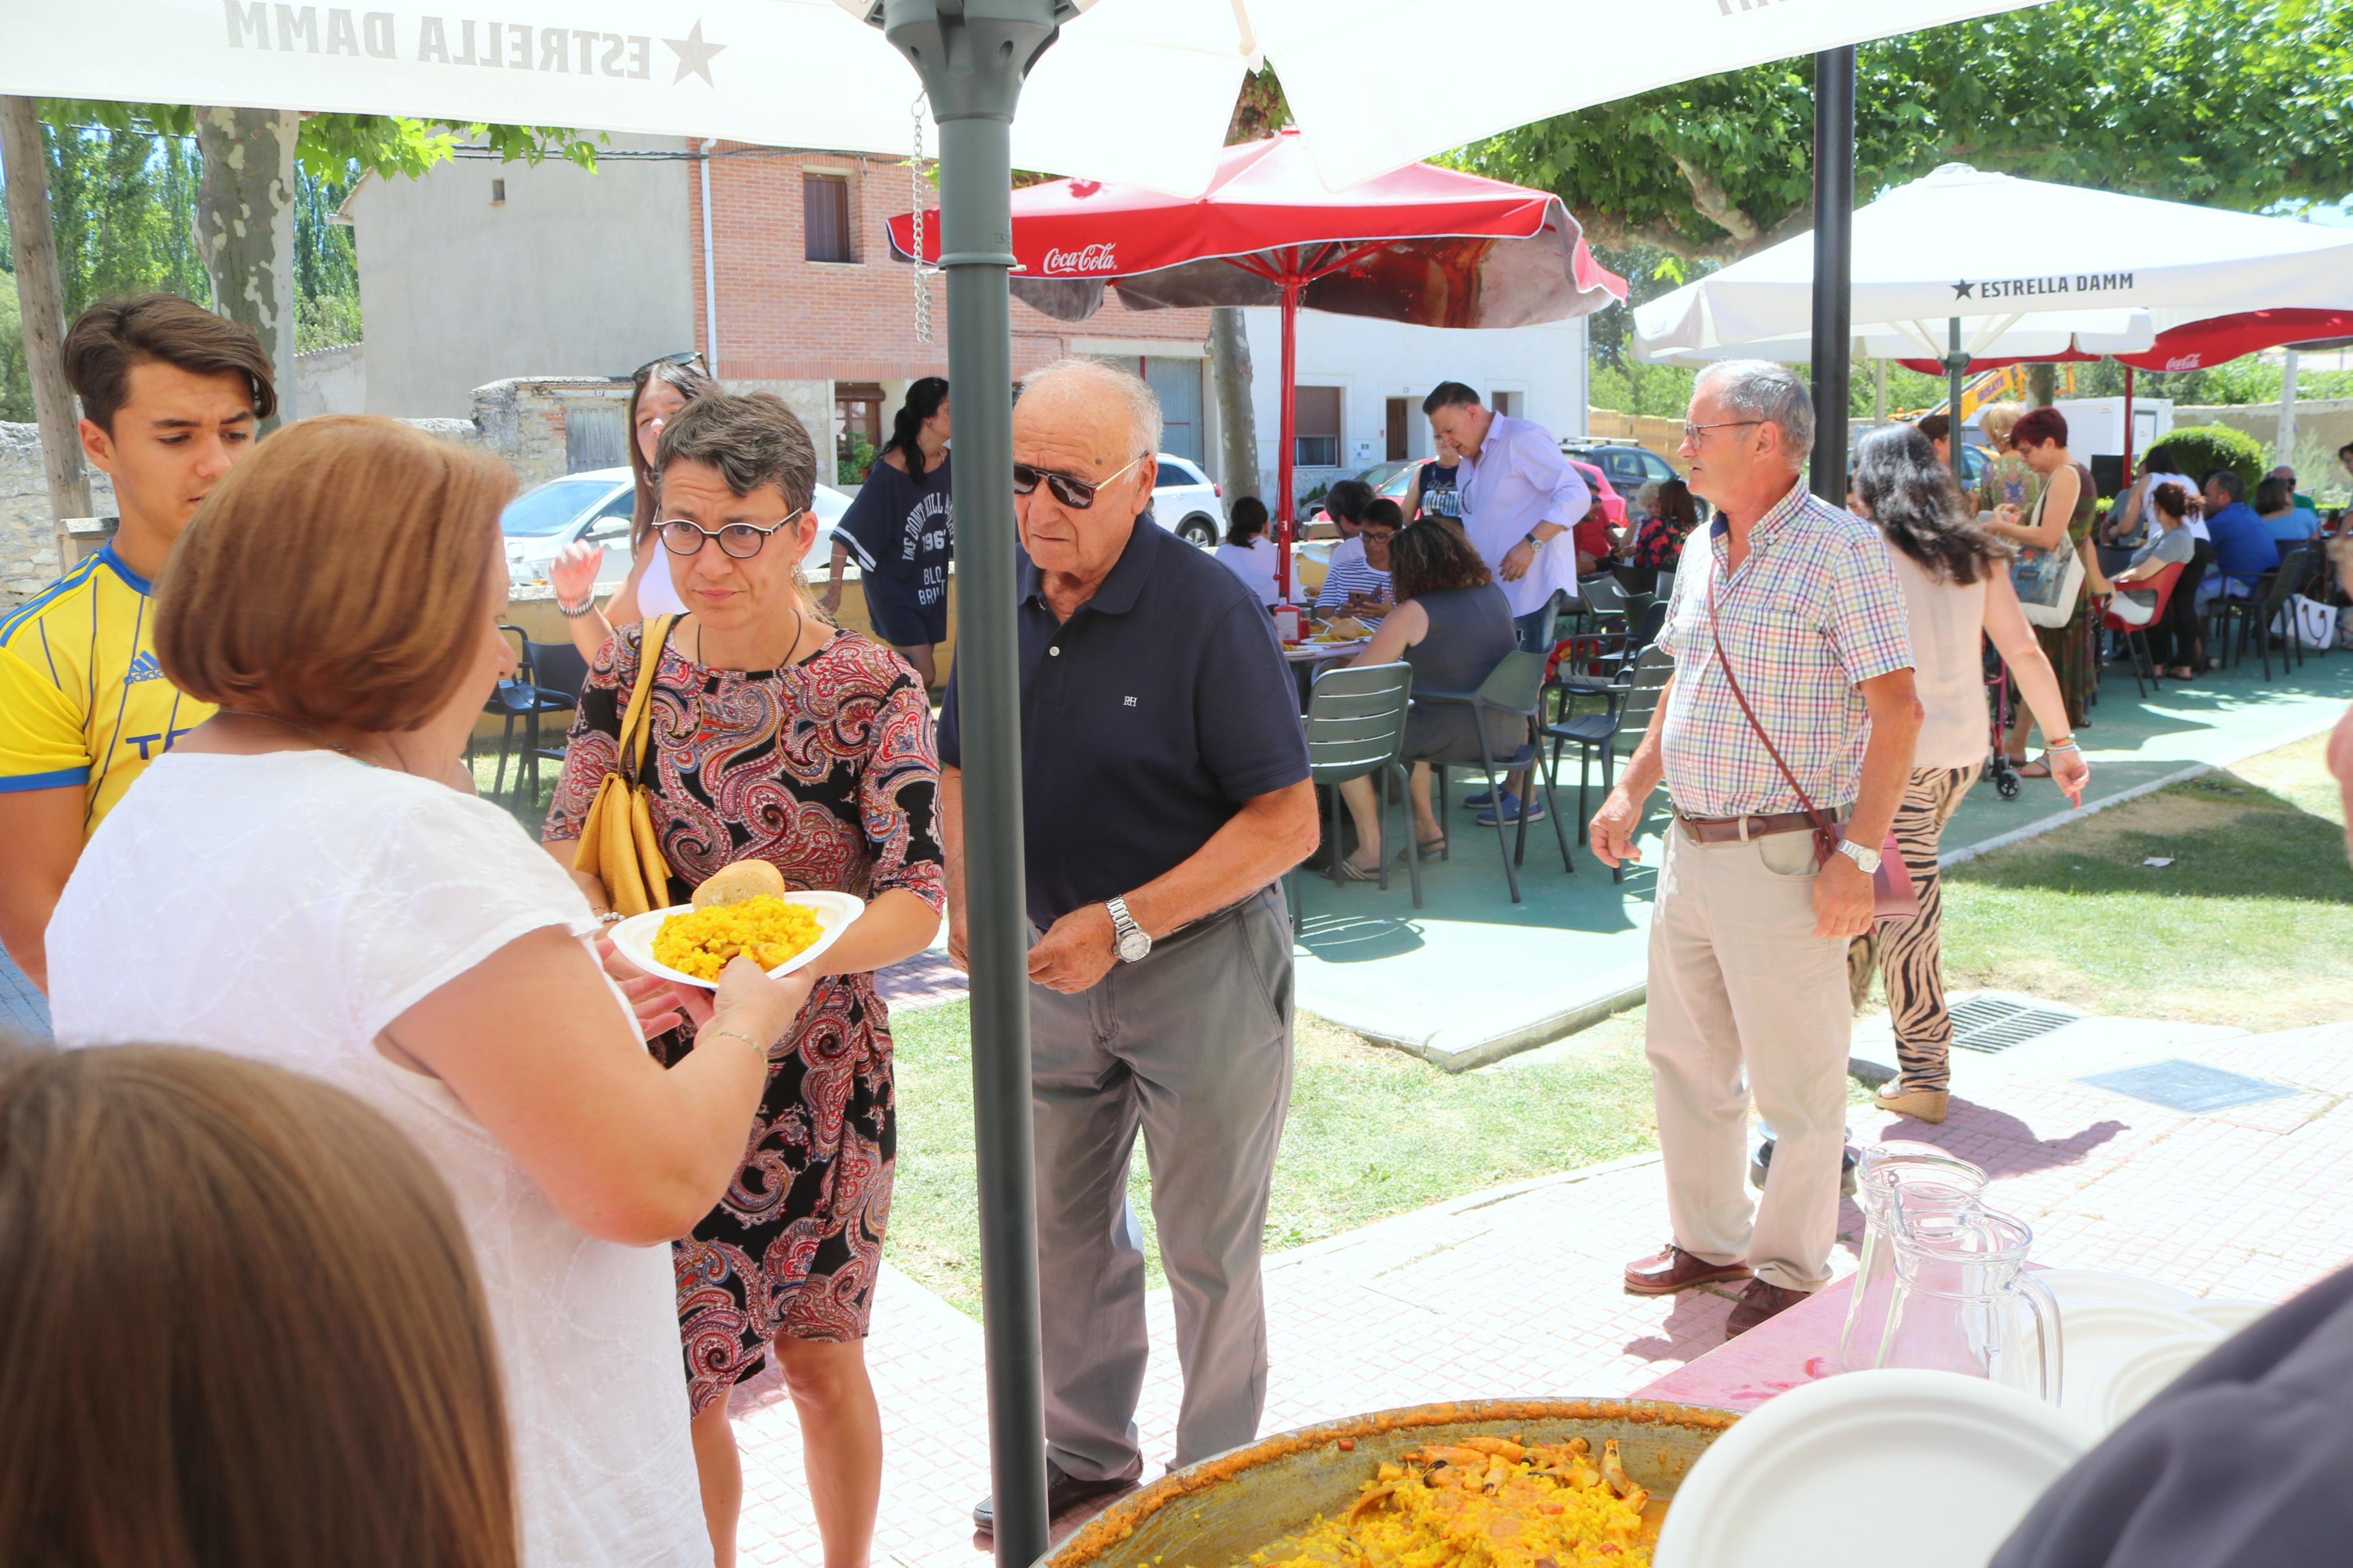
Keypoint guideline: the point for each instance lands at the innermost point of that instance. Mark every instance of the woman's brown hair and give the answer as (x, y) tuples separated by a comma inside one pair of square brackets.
[(2172, 500), (338, 576), (239, 1324), (1430, 557)]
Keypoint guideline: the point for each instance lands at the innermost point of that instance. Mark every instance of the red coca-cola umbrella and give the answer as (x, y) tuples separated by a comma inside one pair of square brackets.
[(1434, 247)]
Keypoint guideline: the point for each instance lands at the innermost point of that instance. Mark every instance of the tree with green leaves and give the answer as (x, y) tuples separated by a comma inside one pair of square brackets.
[(2229, 103)]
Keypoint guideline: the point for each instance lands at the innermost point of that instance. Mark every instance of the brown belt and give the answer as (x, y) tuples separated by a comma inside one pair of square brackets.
[(1735, 830)]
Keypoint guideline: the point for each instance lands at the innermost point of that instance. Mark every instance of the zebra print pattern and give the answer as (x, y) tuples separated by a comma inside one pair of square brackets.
[(1910, 951)]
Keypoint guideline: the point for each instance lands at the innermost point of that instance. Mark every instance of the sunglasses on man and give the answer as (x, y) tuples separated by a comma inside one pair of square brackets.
[(1075, 493)]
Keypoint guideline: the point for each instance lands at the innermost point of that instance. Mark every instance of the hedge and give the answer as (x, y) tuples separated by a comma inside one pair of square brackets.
[(2202, 449)]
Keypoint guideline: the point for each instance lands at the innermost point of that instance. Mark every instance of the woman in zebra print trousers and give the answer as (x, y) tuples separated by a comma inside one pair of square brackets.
[(1957, 593)]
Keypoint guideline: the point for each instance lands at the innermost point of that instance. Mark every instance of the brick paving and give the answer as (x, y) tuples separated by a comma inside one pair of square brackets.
[(1515, 1291)]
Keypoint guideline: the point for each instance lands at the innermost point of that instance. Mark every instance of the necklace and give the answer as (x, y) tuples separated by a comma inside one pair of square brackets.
[(306, 730)]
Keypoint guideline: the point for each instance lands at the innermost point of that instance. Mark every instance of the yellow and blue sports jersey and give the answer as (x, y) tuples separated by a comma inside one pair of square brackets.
[(82, 698)]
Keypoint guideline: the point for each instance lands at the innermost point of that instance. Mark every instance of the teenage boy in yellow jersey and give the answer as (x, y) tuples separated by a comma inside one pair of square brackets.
[(170, 397)]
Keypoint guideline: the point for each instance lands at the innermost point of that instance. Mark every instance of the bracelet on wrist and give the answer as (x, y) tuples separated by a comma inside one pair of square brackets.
[(574, 612), (734, 1034), (2066, 745)]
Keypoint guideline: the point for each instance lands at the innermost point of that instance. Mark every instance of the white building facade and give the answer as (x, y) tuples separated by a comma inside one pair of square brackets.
[(1361, 383)]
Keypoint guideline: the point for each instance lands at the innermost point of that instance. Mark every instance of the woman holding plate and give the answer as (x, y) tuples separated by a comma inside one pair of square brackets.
[(776, 736)]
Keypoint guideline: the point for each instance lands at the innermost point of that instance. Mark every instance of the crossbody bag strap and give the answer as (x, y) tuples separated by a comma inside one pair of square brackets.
[(1826, 834), (637, 723)]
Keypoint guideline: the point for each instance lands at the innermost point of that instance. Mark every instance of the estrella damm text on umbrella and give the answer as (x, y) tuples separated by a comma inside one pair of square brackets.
[(460, 41), (2060, 283)]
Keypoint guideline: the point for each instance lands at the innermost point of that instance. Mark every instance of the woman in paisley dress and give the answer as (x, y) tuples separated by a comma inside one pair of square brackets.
[(775, 735)]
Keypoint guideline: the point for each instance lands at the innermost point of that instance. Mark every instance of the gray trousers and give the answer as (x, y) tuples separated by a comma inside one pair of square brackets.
[(1193, 1046)]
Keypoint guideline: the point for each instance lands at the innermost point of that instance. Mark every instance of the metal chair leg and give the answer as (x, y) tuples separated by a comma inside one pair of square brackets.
[(1503, 841), (1413, 836), (1552, 810)]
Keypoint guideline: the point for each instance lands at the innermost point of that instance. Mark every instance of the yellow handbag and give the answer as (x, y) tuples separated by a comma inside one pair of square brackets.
[(616, 840)]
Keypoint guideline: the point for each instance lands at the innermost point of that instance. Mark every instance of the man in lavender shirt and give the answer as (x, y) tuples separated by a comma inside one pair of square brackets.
[(1520, 498)]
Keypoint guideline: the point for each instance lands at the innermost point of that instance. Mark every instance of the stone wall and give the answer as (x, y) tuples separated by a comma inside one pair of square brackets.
[(331, 381), (29, 532), (524, 419)]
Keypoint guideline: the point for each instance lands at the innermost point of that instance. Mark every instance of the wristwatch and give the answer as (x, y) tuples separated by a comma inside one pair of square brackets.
[(1130, 940), (1866, 859), (1532, 543)]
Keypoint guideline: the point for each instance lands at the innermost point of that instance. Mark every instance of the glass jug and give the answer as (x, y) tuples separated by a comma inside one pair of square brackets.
[(1963, 1300), (1883, 1168)]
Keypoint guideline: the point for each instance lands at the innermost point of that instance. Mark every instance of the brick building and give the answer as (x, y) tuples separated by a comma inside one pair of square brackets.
[(483, 270)]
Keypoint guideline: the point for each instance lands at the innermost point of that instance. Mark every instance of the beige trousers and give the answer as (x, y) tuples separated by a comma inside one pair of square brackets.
[(1738, 981)]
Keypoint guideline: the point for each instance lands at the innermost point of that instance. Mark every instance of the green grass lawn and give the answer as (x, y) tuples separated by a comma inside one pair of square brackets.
[(1372, 1134), (2252, 924)]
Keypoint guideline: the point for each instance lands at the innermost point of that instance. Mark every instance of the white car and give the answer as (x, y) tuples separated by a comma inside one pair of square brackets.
[(595, 507), (1186, 503)]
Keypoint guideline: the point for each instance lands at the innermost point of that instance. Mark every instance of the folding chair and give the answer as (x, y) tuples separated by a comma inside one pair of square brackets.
[(1515, 686), (1355, 729)]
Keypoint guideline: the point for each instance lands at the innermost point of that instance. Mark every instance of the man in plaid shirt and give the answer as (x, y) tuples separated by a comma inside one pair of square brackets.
[(1749, 936)]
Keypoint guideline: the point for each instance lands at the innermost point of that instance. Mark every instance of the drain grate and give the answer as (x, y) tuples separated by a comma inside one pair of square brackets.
[(2190, 1087), (1990, 1024)]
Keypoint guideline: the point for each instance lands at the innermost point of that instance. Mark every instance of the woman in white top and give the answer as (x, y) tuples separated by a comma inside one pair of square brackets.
[(1957, 594), (661, 388), (1247, 553), (301, 881)]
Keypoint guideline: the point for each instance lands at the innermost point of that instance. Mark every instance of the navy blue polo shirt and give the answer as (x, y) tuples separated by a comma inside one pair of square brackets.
[(1147, 719)]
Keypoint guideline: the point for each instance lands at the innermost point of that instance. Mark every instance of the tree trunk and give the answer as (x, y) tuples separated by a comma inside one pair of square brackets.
[(1230, 370), (41, 305), (2042, 384), (245, 228)]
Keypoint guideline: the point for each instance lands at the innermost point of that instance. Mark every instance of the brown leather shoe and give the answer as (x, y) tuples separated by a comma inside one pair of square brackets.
[(1671, 1269), (1757, 1303)]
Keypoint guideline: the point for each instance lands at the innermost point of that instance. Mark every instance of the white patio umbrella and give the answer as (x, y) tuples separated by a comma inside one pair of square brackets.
[(2027, 269), (1138, 91)]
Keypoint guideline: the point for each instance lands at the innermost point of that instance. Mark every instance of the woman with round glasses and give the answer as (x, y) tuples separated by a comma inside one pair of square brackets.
[(779, 737)]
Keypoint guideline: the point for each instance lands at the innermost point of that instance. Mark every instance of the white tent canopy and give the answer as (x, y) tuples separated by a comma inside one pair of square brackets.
[(2029, 269), (1135, 90)]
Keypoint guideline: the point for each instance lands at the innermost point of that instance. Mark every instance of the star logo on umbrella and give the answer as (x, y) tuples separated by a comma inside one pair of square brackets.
[(1960, 290), (694, 55)]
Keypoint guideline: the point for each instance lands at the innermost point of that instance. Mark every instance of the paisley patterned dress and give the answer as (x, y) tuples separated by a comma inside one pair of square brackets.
[(829, 771)]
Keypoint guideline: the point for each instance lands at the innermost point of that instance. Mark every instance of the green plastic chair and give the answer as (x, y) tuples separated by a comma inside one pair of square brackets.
[(1514, 687), (1355, 729)]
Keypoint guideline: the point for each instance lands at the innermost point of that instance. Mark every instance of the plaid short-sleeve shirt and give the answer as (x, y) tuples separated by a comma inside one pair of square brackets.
[(1814, 612)]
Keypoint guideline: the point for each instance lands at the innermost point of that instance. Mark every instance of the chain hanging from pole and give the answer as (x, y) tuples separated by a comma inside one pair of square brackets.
[(923, 269)]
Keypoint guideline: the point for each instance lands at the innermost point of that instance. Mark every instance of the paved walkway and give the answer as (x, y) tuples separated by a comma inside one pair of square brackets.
[(1426, 981), (1515, 1291)]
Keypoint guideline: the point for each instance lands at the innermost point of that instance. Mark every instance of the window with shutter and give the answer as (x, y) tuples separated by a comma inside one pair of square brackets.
[(825, 208)]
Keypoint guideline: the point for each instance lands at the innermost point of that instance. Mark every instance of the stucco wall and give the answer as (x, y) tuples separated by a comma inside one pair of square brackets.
[(331, 381), (574, 273)]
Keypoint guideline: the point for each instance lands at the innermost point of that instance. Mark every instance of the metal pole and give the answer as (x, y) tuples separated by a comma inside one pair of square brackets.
[(1956, 364), (1285, 481), (1833, 266), (972, 56), (2128, 426)]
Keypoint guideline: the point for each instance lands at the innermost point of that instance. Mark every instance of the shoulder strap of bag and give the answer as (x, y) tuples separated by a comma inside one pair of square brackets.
[(637, 723), (1826, 834)]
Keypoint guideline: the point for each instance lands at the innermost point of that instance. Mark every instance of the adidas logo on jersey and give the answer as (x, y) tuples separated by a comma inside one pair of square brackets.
[(143, 667)]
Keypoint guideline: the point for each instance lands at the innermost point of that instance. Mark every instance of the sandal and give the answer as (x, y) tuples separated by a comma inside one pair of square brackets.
[(2037, 769), (1429, 848), (1352, 872)]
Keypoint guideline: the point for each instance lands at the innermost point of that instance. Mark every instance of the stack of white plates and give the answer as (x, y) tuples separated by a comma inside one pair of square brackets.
[(2128, 1338)]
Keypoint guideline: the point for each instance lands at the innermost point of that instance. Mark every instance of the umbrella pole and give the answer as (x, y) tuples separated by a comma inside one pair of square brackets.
[(971, 61), (1956, 364), (1286, 426), (1833, 266), (2128, 425)]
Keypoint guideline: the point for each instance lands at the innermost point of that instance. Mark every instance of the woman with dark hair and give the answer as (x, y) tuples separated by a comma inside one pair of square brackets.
[(1247, 553), (901, 528), (1453, 626), (1957, 594), (2177, 644), (239, 1322), (1658, 547), (658, 390), (2060, 520), (2276, 504)]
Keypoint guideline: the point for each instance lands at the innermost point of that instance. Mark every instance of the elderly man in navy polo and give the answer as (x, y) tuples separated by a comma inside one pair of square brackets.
[(1165, 784)]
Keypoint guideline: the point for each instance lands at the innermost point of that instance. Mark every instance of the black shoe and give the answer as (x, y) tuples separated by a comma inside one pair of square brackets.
[(1762, 1162), (1063, 1493)]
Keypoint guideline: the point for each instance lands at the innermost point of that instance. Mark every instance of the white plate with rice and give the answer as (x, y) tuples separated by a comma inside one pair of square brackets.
[(634, 937)]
